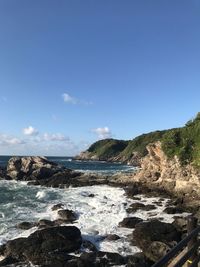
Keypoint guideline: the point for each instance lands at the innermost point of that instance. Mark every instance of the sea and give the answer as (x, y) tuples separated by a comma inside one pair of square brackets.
[(84, 166), (98, 216)]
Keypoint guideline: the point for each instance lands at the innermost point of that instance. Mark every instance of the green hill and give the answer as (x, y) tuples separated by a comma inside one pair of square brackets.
[(182, 142), (107, 148)]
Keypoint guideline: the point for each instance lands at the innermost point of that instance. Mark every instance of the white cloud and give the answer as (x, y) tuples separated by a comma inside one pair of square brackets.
[(72, 100), (103, 132), (55, 137), (47, 144), (30, 131), (69, 99), (8, 140)]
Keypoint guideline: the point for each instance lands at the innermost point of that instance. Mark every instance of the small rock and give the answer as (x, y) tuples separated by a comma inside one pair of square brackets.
[(173, 210), (130, 222), (135, 206), (43, 223), (25, 225), (112, 237), (57, 207), (68, 215)]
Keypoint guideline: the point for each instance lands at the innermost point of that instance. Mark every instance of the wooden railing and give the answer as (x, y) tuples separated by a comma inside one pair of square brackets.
[(191, 257)]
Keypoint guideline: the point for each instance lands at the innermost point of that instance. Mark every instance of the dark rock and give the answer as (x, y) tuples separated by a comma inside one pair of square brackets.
[(136, 198), (91, 195), (45, 223), (149, 207), (45, 246), (135, 206), (25, 225), (156, 250), (68, 215), (112, 237), (138, 260), (147, 232), (89, 245), (57, 206), (180, 223), (173, 210), (8, 261), (40, 171), (140, 206), (113, 258), (130, 222)]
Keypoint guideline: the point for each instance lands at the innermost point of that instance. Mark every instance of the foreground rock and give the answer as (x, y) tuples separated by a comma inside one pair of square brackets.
[(47, 246), (155, 238)]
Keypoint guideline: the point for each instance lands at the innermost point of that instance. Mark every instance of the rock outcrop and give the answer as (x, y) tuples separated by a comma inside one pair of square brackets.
[(168, 174), (155, 238), (47, 247), (31, 167)]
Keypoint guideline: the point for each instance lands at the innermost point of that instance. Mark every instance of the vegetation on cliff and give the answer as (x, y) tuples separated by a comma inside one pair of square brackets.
[(111, 149), (107, 148), (182, 142)]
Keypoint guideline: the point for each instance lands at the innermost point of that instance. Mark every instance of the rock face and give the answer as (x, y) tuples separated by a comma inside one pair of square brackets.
[(39, 170), (44, 246), (160, 172), (155, 238), (20, 168)]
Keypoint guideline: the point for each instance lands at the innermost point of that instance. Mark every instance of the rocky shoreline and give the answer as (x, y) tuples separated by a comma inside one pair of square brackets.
[(54, 241)]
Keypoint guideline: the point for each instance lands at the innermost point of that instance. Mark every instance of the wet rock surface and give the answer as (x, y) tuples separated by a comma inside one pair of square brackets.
[(130, 222), (155, 238), (50, 244)]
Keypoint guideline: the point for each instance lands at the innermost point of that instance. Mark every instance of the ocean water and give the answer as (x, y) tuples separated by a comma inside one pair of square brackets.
[(85, 166), (98, 216)]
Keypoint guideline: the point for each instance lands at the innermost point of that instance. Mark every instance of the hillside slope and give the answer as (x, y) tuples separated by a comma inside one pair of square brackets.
[(182, 142)]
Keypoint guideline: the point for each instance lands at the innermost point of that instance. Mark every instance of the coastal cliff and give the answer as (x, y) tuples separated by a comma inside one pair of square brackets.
[(168, 160), (158, 171)]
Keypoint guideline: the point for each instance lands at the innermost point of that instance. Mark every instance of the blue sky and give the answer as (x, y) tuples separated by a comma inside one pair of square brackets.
[(73, 72)]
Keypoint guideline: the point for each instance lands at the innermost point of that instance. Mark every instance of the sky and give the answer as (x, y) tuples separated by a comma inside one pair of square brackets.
[(73, 72)]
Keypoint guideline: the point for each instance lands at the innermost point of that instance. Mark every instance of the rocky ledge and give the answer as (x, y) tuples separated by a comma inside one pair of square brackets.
[(62, 246), (159, 172), (40, 171)]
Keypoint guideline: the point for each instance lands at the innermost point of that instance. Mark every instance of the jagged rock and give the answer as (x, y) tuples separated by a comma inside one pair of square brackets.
[(38, 167), (156, 250), (43, 223), (147, 232), (130, 222), (173, 210), (180, 223), (140, 206), (67, 215), (112, 237), (45, 247), (158, 171), (25, 225), (57, 207), (138, 260), (135, 206)]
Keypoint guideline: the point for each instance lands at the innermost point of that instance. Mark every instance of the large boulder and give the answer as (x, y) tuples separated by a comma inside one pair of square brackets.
[(47, 245), (40, 171), (27, 167), (156, 236)]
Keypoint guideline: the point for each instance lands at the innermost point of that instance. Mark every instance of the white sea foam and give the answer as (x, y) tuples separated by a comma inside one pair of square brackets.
[(98, 216), (41, 194)]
